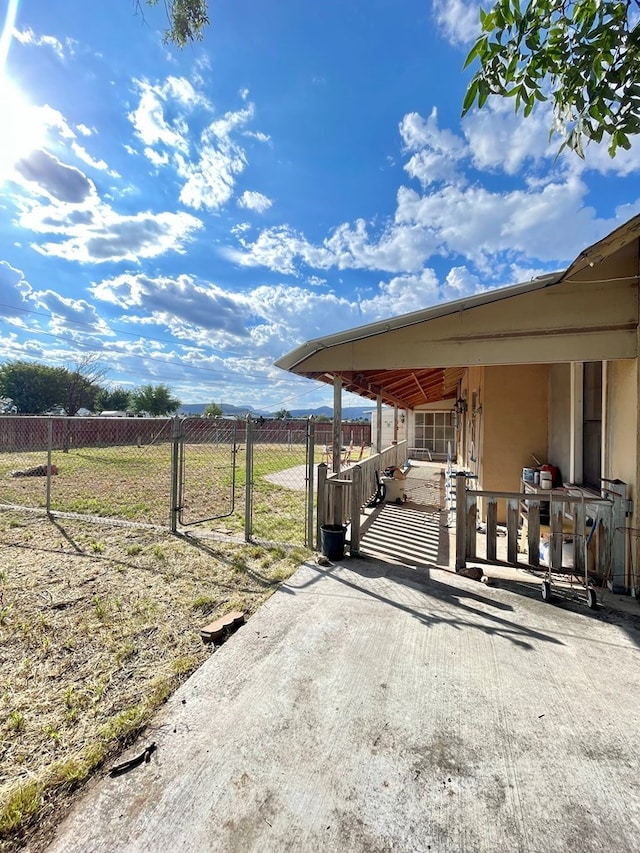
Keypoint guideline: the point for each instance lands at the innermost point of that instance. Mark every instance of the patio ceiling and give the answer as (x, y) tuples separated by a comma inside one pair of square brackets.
[(407, 389)]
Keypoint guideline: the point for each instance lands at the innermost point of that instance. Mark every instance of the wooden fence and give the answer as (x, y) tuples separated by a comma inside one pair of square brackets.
[(26, 433)]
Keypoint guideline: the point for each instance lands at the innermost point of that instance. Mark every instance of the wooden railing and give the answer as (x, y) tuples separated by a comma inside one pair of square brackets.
[(607, 520), (341, 497)]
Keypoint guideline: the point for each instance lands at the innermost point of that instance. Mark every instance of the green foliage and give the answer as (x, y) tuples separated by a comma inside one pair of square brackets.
[(116, 400), (36, 388), (155, 400), (187, 19), (213, 410), (282, 414), (583, 54)]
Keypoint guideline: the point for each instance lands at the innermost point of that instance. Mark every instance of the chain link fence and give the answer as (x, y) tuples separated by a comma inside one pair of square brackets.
[(281, 483), (106, 467), (210, 476), (251, 479)]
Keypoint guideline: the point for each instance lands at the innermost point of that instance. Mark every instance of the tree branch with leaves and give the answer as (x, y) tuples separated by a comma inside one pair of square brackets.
[(187, 19), (582, 54)]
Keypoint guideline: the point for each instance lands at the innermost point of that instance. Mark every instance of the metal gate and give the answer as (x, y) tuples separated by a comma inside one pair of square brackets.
[(280, 481), (207, 465)]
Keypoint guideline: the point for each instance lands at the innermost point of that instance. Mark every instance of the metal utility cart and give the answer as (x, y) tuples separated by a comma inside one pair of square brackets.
[(575, 517)]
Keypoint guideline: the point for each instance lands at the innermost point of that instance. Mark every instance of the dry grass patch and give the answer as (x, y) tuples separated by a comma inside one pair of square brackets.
[(98, 626)]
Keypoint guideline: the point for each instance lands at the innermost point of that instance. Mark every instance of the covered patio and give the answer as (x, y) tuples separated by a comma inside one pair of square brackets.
[(543, 372)]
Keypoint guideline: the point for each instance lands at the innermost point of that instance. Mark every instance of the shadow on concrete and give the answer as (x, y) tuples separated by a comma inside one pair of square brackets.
[(403, 539), (477, 610)]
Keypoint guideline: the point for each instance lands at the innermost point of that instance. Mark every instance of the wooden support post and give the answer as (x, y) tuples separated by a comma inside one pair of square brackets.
[(512, 531), (492, 528), (461, 518)]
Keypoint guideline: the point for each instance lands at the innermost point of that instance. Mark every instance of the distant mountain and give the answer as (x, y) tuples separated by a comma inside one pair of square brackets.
[(348, 413)]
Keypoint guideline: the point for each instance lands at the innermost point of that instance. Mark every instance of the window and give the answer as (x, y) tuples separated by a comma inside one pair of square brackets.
[(434, 430)]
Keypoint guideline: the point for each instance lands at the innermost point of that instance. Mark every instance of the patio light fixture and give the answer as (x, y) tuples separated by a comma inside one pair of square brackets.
[(460, 406)]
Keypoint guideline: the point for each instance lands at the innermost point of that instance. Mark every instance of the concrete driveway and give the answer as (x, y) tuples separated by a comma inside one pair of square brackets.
[(371, 707)]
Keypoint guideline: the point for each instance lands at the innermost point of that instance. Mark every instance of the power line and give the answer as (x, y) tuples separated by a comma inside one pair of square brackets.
[(227, 372), (114, 329)]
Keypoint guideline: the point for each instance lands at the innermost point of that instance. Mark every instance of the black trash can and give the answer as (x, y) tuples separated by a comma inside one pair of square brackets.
[(332, 539)]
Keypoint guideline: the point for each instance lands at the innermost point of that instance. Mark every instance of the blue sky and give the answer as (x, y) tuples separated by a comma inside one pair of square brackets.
[(190, 216)]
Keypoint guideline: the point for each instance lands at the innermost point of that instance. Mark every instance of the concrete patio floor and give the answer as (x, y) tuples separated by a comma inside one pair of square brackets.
[(372, 706)]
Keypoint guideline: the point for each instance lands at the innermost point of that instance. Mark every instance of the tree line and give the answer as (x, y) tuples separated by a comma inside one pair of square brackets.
[(35, 389)]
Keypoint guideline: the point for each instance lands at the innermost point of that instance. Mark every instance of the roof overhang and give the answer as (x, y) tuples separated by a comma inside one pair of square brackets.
[(419, 358)]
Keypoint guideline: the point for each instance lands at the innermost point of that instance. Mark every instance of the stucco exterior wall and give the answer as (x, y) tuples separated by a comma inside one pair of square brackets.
[(559, 452), (621, 442), (515, 424)]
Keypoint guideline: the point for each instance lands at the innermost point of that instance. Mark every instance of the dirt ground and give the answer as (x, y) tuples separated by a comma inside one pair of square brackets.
[(99, 624)]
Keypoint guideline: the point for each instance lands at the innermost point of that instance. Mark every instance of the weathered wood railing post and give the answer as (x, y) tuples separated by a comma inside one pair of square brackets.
[(461, 520), (356, 505)]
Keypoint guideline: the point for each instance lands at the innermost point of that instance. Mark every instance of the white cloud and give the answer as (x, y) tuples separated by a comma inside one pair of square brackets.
[(44, 174), (460, 282), (182, 305), (95, 233), (27, 36), (436, 153), (69, 313), (16, 291), (149, 120), (498, 139), (210, 180), (256, 134), (254, 201), (101, 165), (538, 215), (167, 119), (157, 158), (459, 20), (401, 295)]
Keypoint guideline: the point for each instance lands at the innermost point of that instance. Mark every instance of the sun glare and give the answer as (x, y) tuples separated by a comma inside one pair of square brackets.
[(22, 127)]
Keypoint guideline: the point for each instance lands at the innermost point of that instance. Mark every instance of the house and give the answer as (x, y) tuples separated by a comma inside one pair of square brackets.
[(545, 370)]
